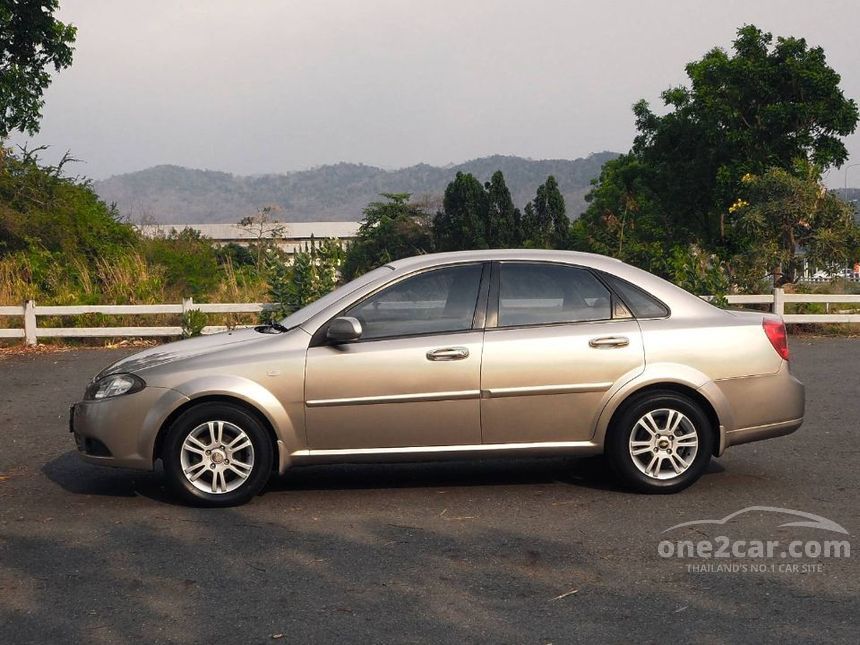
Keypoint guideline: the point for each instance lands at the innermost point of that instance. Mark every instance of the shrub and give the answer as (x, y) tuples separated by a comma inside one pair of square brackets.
[(193, 322), (189, 260), (313, 273)]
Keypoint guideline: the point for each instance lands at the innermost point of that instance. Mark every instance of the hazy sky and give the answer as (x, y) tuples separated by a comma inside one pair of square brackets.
[(253, 86)]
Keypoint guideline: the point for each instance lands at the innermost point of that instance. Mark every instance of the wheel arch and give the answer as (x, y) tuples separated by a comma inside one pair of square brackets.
[(214, 398), (251, 397), (678, 388), (687, 382)]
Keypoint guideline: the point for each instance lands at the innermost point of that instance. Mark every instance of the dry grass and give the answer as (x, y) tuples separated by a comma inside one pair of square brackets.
[(129, 279), (15, 280)]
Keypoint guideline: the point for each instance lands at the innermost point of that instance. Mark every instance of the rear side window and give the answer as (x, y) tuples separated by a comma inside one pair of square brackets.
[(642, 304), (540, 294)]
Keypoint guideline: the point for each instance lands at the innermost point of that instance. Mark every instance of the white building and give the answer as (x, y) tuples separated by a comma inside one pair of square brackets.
[(289, 236)]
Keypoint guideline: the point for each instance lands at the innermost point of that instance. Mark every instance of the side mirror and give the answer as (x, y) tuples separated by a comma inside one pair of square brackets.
[(344, 330)]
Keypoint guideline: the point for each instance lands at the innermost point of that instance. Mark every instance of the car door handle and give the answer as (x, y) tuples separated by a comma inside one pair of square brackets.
[(448, 354), (609, 341)]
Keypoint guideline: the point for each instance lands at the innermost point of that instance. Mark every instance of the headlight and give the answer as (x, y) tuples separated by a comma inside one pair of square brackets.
[(114, 385)]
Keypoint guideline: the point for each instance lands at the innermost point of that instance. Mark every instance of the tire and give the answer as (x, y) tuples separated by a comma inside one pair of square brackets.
[(193, 446), (664, 462)]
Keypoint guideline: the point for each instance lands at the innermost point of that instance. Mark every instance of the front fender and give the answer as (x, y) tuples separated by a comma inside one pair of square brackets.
[(287, 421), (675, 374)]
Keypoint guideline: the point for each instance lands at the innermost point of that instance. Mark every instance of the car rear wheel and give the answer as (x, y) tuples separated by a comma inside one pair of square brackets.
[(217, 454), (660, 443)]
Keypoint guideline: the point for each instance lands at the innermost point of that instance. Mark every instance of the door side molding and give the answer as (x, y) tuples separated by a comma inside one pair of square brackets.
[(537, 390), (396, 398)]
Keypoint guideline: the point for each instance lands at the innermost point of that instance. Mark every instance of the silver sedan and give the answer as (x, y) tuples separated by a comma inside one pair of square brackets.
[(454, 355)]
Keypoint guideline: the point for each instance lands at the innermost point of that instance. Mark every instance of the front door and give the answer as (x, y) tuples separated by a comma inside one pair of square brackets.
[(412, 379), (558, 343)]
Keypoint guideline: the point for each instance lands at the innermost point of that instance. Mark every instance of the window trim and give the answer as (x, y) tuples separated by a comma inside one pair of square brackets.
[(495, 294), (478, 317)]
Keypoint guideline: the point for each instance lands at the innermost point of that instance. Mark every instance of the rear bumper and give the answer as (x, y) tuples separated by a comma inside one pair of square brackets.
[(762, 407), (757, 433), (121, 431)]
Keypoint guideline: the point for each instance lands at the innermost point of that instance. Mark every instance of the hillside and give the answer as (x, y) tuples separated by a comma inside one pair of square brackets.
[(173, 194)]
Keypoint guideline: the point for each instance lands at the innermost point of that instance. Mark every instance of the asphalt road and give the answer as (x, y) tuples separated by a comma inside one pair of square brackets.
[(532, 551)]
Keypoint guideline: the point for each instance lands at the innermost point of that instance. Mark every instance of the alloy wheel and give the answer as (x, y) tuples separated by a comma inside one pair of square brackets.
[(663, 443), (217, 457)]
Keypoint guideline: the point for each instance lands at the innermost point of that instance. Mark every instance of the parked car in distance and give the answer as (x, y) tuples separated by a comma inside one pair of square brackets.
[(453, 355)]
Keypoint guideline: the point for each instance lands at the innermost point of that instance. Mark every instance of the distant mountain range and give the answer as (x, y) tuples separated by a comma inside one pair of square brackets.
[(339, 192)]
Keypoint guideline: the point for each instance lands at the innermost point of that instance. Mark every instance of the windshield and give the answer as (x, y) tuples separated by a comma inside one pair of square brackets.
[(306, 313)]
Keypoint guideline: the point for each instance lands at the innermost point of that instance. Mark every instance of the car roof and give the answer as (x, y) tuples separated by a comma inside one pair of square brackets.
[(542, 255)]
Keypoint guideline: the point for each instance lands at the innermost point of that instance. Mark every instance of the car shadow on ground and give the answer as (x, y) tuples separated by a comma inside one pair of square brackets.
[(80, 478), (75, 476)]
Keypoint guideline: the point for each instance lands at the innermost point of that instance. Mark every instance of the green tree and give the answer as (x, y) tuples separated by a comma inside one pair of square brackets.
[(541, 230), (557, 215), (625, 218), (41, 208), (786, 219), (31, 42), (531, 230), (503, 219), (461, 224), (766, 104), (698, 272), (313, 273), (545, 224), (391, 229)]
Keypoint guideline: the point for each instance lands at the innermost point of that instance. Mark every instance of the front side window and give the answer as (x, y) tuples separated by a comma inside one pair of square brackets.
[(540, 294), (433, 302), (304, 314)]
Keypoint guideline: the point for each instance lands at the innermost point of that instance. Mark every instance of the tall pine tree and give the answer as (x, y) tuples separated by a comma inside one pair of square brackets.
[(503, 219), (462, 222), (545, 223), (559, 234)]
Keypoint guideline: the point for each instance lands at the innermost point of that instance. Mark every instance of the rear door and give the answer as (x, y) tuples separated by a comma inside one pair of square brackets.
[(556, 341)]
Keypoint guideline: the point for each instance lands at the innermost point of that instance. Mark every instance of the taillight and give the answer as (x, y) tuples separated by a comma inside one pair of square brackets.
[(774, 328)]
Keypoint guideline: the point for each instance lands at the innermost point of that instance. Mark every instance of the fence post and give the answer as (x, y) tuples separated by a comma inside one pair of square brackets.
[(30, 322), (778, 302), (187, 305)]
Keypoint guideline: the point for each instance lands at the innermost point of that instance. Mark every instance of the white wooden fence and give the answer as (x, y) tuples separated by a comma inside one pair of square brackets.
[(778, 299), (31, 332)]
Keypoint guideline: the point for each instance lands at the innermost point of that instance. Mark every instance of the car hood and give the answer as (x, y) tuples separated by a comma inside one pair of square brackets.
[(184, 349)]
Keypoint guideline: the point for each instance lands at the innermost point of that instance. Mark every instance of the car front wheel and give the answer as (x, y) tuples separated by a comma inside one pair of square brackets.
[(217, 454), (661, 443)]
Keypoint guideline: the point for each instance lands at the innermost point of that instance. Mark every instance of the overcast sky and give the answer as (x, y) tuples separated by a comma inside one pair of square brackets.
[(254, 86)]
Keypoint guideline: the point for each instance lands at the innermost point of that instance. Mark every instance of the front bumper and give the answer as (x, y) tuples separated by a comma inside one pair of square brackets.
[(121, 431)]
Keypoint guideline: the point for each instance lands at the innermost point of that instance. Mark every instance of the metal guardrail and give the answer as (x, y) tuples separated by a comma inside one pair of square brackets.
[(31, 332)]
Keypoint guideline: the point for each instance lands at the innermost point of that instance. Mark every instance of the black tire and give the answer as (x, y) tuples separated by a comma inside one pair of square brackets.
[(618, 449), (260, 450)]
